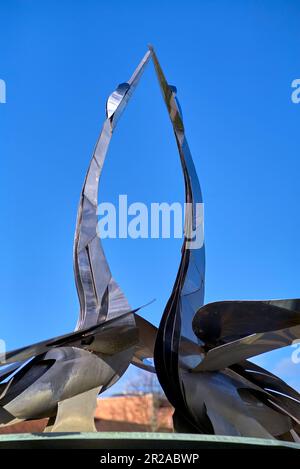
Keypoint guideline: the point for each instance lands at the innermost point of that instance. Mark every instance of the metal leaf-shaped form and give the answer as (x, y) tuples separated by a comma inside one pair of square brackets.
[(200, 350), (99, 295), (188, 291)]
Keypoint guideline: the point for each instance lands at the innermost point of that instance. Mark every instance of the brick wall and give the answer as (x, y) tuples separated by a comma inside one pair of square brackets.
[(143, 412)]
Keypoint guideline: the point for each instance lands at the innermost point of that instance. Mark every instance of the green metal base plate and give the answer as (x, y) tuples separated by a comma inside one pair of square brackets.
[(120, 440)]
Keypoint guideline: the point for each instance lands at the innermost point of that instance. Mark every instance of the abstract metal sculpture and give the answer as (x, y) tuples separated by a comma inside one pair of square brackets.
[(201, 352), (61, 378)]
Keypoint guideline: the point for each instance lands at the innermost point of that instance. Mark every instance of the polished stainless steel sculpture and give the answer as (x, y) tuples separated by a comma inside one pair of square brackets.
[(61, 378), (201, 351)]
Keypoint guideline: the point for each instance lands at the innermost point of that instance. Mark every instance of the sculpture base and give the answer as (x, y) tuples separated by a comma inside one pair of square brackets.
[(130, 441)]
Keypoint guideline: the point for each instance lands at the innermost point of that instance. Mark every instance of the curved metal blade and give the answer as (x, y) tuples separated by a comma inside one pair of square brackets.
[(287, 398), (225, 355), (222, 322), (144, 350), (265, 379), (99, 295), (7, 370), (110, 337), (188, 291)]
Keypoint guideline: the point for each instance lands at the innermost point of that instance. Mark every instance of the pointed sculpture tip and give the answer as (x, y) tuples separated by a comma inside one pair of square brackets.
[(150, 47)]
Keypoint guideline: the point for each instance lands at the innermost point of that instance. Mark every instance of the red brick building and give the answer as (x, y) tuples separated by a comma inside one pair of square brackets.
[(128, 413)]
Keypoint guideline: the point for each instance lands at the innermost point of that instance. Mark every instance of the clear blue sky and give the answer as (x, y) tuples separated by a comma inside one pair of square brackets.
[(233, 63)]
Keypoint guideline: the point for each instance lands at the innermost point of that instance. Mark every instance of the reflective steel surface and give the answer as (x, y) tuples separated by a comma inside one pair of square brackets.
[(201, 352), (61, 377)]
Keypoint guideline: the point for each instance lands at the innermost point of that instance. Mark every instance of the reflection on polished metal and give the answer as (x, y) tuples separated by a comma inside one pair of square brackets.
[(60, 378), (201, 351)]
